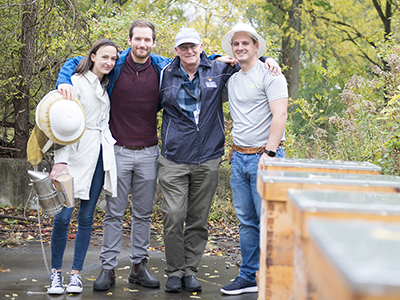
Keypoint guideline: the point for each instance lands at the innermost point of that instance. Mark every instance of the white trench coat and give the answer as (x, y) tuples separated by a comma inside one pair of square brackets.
[(82, 156)]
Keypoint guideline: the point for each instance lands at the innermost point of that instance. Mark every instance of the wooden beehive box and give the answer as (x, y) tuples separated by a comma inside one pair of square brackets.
[(355, 260), (305, 204), (276, 233), (319, 165)]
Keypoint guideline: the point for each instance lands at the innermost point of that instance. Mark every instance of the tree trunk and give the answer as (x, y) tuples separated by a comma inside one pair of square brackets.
[(21, 100), (291, 49)]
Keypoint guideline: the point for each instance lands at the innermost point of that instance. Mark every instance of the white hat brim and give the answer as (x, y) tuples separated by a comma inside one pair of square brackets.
[(43, 121), (227, 47), (187, 41)]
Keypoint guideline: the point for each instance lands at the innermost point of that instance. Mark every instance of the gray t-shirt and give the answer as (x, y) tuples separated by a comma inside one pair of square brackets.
[(249, 95)]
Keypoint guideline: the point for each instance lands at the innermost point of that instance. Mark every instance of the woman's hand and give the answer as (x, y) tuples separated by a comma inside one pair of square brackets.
[(66, 90), (57, 170)]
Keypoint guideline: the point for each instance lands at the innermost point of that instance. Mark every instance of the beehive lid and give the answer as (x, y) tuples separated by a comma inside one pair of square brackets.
[(321, 164), (352, 202), (329, 178), (367, 254)]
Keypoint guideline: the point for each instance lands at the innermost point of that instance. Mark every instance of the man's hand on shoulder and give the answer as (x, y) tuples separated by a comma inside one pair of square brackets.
[(273, 67), (228, 60), (66, 90)]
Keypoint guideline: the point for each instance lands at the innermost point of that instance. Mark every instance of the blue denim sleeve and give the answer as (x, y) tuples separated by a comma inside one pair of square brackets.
[(67, 70)]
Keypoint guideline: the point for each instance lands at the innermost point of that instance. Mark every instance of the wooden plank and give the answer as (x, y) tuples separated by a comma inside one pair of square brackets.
[(277, 190), (316, 170), (277, 244), (318, 165)]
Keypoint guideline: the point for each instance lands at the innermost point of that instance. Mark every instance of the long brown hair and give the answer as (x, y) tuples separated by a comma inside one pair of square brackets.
[(86, 64)]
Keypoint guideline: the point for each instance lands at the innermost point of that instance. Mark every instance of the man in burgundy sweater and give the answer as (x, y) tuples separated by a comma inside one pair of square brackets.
[(134, 96)]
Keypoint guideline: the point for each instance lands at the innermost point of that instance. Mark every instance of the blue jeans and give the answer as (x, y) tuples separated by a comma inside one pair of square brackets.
[(85, 221), (247, 203)]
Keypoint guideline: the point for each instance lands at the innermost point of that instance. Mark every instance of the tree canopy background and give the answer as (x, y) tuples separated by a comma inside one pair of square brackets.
[(340, 58)]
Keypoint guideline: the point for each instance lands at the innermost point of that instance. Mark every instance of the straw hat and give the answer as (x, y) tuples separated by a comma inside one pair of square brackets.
[(242, 27), (63, 121)]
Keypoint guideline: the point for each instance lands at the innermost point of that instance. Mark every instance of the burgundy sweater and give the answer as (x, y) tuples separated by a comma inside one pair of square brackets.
[(134, 103)]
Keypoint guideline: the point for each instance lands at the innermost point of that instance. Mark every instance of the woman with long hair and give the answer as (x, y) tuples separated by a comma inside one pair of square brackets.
[(90, 161)]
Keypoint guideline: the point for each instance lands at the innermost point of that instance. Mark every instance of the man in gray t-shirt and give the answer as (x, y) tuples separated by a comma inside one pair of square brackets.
[(258, 106)]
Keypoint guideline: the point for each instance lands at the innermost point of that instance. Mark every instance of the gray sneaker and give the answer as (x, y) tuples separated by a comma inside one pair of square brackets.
[(75, 284), (56, 287)]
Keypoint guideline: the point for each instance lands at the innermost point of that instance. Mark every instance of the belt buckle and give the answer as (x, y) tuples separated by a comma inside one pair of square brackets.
[(259, 150)]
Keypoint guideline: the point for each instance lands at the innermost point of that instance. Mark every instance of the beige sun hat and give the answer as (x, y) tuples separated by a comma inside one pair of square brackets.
[(243, 27), (62, 121)]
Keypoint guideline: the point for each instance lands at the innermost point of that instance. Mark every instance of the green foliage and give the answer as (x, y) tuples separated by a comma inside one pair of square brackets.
[(222, 209), (367, 128), (32, 55), (113, 23), (309, 119)]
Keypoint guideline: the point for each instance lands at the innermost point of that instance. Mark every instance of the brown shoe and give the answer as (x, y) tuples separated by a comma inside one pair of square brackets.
[(142, 276)]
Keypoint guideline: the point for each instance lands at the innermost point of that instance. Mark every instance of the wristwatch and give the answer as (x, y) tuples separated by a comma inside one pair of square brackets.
[(270, 153)]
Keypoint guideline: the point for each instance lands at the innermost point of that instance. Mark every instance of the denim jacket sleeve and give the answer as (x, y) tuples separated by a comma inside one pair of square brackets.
[(67, 70)]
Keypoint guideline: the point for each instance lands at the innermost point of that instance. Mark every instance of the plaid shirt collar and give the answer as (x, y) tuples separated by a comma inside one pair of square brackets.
[(188, 96)]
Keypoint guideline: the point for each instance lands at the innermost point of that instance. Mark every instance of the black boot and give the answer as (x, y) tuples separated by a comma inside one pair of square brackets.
[(105, 280), (191, 284), (173, 285), (140, 275)]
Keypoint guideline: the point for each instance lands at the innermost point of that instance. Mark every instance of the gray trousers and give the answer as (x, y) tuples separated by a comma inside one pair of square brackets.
[(137, 171), (188, 191)]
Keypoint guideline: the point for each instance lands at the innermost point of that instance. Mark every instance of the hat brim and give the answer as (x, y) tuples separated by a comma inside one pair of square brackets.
[(43, 120), (227, 47), (187, 41)]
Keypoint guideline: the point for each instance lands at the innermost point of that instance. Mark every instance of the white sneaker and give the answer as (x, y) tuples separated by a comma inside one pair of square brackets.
[(56, 287), (75, 284)]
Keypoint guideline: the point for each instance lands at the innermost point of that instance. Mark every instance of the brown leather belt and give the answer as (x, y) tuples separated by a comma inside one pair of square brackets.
[(132, 147), (258, 150)]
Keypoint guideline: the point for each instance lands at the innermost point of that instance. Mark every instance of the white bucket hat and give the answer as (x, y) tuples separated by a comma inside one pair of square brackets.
[(62, 121), (242, 27)]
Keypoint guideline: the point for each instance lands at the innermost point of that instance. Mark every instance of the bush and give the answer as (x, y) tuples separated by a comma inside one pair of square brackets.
[(367, 129)]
